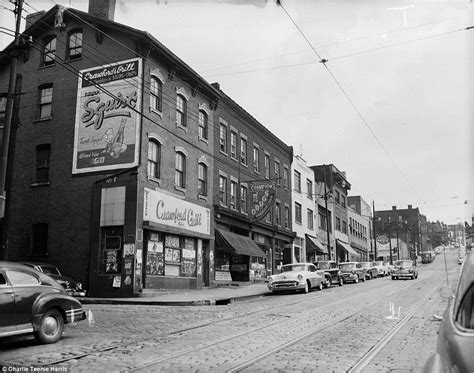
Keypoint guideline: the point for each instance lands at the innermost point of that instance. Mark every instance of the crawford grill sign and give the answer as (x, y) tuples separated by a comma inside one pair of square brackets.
[(262, 194), (107, 121)]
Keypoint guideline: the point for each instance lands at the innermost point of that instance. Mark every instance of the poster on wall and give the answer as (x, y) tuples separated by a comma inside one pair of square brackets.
[(107, 122), (154, 259), (262, 199)]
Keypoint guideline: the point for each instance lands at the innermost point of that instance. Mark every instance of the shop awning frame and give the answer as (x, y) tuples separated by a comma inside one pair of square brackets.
[(315, 245), (237, 243), (347, 247)]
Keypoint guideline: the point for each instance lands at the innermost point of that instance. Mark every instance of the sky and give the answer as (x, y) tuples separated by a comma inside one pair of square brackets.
[(390, 107)]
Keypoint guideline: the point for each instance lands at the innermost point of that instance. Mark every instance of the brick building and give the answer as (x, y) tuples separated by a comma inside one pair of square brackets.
[(111, 160)]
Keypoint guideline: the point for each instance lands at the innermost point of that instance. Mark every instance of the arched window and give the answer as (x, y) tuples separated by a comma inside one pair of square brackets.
[(154, 159), (156, 94), (181, 110), (49, 51), (180, 170), (74, 45), (202, 179), (203, 125)]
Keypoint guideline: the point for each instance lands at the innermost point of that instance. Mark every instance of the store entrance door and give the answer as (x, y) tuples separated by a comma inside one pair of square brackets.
[(205, 266)]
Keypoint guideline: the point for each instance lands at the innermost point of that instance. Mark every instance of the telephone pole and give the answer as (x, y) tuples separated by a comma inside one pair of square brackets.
[(373, 230)]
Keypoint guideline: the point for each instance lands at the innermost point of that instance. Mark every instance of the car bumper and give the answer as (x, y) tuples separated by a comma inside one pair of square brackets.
[(75, 314), (349, 276), (286, 285), (403, 274)]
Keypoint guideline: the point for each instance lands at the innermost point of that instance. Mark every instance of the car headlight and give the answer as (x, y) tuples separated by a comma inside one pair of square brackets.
[(78, 286), (300, 277), (269, 278)]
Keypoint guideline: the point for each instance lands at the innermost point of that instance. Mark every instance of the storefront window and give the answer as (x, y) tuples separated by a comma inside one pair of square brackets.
[(111, 250)]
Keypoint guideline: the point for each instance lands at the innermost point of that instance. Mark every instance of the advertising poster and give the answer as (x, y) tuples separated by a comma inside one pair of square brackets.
[(107, 120), (262, 198)]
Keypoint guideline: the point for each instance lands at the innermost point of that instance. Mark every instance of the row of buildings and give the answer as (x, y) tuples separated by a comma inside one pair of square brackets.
[(132, 173)]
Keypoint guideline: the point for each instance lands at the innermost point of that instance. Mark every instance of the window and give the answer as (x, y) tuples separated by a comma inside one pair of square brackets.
[(298, 212), (243, 151), (285, 177), (267, 166), (338, 224), (343, 200), (40, 239), (297, 181), (43, 153), (223, 190), (154, 159), (111, 244), (256, 159), (465, 313), (309, 187), (223, 138), (233, 195), (74, 46), (278, 214), (233, 145), (19, 278), (156, 94), (45, 101), (310, 219), (181, 108), (243, 199), (277, 172), (268, 217), (180, 173), (337, 197), (344, 227), (202, 179), (49, 51), (203, 125), (287, 217)]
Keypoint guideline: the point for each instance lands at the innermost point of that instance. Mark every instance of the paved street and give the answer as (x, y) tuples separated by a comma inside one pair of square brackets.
[(323, 331)]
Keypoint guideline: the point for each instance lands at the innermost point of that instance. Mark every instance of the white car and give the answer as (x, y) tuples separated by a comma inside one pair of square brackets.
[(297, 276), (383, 269)]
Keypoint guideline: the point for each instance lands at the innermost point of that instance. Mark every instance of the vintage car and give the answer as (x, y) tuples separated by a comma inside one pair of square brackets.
[(382, 267), (352, 272), (404, 269), (296, 276), (32, 302), (72, 286), (371, 271), (331, 271), (455, 348)]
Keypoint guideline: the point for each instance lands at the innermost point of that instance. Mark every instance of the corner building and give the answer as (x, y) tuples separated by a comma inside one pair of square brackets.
[(113, 133), (252, 196)]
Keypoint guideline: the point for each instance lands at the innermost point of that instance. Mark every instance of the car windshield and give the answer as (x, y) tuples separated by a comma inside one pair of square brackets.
[(403, 263), (294, 268), (50, 270), (323, 265), (348, 266), (365, 265)]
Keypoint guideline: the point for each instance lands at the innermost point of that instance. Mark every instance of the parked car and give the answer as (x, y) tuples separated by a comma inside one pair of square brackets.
[(72, 286), (454, 351), (297, 276), (332, 272), (32, 302), (352, 272), (382, 268), (404, 269), (371, 271)]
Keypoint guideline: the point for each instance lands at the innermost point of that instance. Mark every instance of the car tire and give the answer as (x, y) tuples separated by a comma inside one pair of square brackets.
[(306, 288), (356, 280), (51, 327), (393, 277), (341, 282), (327, 283), (320, 286), (363, 278)]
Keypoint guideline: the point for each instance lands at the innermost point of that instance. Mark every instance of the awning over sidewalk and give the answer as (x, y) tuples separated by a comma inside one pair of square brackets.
[(313, 244), (238, 243), (347, 247)]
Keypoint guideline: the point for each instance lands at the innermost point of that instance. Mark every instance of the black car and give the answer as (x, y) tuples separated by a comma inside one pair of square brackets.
[(332, 272), (32, 302)]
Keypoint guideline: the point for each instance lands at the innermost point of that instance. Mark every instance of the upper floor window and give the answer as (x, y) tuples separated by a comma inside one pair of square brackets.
[(154, 159), (310, 219), (223, 138), (156, 94), (203, 124), (267, 166), (202, 179), (243, 199), (256, 159), (74, 45), (277, 172), (337, 196), (309, 187), (278, 214), (49, 51), (223, 190), (43, 153), (243, 151), (287, 217), (338, 224), (181, 109), (45, 101), (233, 145), (285, 177), (343, 200), (298, 218), (233, 194), (297, 181), (344, 226), (180, 170)]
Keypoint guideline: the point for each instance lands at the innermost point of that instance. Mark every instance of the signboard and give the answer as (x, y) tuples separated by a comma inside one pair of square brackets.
[(174, 212), (107, 122), (383, 239), (262, 194)]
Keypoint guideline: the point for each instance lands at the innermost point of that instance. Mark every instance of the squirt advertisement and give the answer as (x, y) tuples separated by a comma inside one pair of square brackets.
[(107, 117)]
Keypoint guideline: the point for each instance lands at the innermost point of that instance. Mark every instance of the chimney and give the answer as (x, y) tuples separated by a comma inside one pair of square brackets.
[(104, 9), (216, 86), (33, 17), (394, 207), (409, 207)]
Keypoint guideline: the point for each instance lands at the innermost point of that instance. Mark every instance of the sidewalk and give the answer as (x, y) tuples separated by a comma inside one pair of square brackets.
[(217, 296)]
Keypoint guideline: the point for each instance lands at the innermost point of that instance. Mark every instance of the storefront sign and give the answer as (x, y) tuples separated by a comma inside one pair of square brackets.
[(383, 239), (107, 120), (173, 212), (262, 194)]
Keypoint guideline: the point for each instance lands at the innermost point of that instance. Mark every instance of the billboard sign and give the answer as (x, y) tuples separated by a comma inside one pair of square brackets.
[(263, 195), (107, 117)]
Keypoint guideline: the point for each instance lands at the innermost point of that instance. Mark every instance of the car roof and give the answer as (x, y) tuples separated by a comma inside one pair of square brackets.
[(41, 264)]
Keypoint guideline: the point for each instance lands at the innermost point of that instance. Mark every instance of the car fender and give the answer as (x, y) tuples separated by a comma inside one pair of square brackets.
[(51, 300), (436, 364)]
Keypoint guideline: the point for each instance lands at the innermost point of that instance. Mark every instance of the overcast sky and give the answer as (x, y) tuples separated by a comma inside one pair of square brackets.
[(391, 107)]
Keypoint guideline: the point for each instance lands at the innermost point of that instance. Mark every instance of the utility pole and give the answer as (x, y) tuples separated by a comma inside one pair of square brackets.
[(9, 109), (327, 216), (373, 230), (390, 239)]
